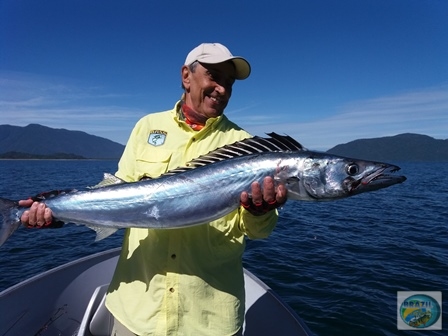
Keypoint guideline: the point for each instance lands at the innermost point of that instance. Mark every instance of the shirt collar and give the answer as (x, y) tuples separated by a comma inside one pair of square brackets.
[(180, 117)]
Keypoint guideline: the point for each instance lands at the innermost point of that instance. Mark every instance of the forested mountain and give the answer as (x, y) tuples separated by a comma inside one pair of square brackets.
[(402, 147), (37, 141)]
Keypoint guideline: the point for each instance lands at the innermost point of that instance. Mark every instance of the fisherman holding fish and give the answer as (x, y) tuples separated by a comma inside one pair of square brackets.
[(185, 281), (196, 196)]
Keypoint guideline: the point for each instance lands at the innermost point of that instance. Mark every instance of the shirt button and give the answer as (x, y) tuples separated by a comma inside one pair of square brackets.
[(173, 256), (172, 290), (194, 139)]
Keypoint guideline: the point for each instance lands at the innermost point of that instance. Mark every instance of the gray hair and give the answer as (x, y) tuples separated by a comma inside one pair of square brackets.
[(192, 67)]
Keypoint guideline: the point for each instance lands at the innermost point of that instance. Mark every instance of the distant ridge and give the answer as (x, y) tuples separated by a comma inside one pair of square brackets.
[(37, 141), (40, 142), (27, 156), (407, 147)]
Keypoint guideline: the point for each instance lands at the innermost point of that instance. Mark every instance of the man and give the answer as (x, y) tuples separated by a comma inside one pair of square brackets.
[(186, 281)]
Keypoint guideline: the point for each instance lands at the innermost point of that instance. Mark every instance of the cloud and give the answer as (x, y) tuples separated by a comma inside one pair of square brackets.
[(423, 112), (27, 99), (64, 103)]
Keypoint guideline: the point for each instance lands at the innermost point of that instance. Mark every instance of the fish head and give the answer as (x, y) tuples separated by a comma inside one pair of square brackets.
[(363, 176), (331, 177)]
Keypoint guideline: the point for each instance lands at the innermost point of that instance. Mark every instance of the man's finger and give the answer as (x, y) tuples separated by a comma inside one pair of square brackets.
[(40, 211), (26, 203), (25, 219), (257, 195), (269, 190), (32, 214), (281, 194), (48, 216)]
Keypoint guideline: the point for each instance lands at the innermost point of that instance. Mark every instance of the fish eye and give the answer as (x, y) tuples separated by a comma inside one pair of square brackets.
[(352, 169)]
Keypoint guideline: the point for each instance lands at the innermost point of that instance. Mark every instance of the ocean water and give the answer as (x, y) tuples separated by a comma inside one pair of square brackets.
[(338, 264)]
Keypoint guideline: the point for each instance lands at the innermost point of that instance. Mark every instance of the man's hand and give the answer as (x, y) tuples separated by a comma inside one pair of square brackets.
[(264, 199), (37, 216)]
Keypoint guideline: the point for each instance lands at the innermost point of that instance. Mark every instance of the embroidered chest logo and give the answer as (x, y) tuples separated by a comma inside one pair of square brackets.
[(157, 137)]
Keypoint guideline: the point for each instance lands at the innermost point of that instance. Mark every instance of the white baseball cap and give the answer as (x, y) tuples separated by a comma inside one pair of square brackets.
[(213, 53)]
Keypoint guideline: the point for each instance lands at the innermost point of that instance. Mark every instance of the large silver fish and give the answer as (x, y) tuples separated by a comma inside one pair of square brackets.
[(209, 187)]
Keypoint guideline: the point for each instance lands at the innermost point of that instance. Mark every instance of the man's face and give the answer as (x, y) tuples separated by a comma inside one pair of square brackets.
[(209, 87)]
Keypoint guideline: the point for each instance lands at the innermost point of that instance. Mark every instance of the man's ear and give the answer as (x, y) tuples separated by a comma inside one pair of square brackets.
[(185, 73)]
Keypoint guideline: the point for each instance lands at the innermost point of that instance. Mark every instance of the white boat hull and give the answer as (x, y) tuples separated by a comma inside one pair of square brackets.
[(62, 301)]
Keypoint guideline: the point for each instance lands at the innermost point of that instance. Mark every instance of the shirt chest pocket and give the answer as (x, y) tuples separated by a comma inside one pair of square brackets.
[(152, 162)]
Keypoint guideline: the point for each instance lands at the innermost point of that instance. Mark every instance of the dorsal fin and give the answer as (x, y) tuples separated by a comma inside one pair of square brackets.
[(286, 140), (254, 145)]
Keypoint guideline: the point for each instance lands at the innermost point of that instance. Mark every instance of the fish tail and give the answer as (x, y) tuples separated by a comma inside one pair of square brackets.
[(9, 216)]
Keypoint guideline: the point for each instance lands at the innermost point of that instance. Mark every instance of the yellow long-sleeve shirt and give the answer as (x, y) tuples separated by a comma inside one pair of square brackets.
[(182, 281)]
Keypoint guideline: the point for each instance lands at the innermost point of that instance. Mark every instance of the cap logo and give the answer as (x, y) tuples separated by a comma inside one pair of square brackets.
[(157, 137)]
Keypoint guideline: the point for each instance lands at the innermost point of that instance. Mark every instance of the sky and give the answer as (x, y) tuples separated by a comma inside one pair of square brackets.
[(324, 72)]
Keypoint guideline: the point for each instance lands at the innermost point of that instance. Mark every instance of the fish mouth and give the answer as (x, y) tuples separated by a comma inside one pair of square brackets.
[(380, 178)]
